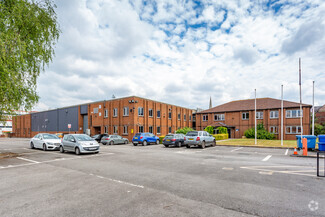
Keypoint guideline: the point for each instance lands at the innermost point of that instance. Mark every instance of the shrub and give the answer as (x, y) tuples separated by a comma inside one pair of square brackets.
[(209, 129), (161, 139), (262, 133), (222, 130), (220, 136), (184, 130)]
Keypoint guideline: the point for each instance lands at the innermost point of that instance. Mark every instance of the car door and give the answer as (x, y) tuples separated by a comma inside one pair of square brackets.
[(36, 141), (153, 138), (68, 143), (120, 140)]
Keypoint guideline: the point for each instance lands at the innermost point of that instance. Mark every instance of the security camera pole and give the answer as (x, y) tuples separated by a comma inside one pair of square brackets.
[(313, 128), (300, 99)]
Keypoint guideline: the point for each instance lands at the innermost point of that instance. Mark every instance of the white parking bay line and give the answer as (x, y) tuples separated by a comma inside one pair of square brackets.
[(286, 152), (25, 159), (236, 149), (267, 158)]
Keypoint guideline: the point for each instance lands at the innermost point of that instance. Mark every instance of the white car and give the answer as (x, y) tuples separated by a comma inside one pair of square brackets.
[(45, 141)]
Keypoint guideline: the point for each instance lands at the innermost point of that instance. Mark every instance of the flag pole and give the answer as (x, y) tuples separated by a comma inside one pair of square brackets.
[(300, 99), (255, 121), (282, 115), (313, 128)]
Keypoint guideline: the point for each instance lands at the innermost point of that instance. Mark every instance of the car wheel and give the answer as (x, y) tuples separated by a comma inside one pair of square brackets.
[(158, 141), (61, 149), (203, 144), (187, 146), (135, 144), (145, 143), (77, 151), (179, 144), (32, 145), (111, 143), (126, 142), (214, 143), (166, 146), (44, 147)]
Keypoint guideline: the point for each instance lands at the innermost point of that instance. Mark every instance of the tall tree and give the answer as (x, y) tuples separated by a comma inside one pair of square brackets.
[(28, 33)]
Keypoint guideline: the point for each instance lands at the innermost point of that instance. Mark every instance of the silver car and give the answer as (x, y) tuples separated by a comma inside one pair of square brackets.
[(199, 138), (45, 141), (79, 143), (113, 139)]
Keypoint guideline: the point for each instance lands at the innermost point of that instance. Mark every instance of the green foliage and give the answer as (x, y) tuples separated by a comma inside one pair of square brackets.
[(28, 33), (319, 129), (161, 139), (222, 130), (209, 129), (220, 136), (262, 133), (184, 130)]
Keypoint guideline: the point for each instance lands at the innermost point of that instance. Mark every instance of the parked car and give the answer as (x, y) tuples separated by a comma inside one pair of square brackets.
[(60, 135), (45, 141), (113, 140), (99, 137), (145, 139), (174, 139), (199, 138), (79, 143)]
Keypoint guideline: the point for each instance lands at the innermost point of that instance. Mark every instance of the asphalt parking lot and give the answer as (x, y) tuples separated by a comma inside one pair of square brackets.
[(124, 180)]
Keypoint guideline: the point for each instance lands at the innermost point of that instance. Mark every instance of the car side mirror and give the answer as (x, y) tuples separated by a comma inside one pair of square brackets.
[(72, 140)]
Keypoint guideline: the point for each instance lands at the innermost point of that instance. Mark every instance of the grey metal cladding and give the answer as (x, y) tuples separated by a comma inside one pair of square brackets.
[(68, 116), (84, 109), (55, 120)]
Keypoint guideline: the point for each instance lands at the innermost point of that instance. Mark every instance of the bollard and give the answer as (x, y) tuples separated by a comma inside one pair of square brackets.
[(304, 147)]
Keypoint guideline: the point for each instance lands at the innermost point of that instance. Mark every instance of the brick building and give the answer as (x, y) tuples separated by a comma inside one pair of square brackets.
[(238, 116), (123, 116), (320, 115)]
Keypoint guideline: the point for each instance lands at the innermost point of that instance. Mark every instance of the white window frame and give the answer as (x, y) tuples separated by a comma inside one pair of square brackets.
[(205, 117), (126, 111), (179, 116), (190, 117), (219, 117), (158, 129), (141, 131), (115, 129), (140, 111), (158, 116), (274, 114), (115, 112), (259, 115), (125, 130), (169, 129), (291, 130), (242, 115), (274, 129), (105, 113), (150, 110), (185, 117), (289, 113), (169, 115), (151, 127), (106, 129)]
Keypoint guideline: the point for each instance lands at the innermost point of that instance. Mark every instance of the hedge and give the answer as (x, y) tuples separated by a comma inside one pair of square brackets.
[(220, 136), (161, 139)]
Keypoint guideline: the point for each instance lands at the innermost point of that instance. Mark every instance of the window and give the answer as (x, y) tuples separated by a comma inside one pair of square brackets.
[(169, 129), (125, 129), (293, 129), (100, 114), (179, 116), (140, 129), (158, 114), (95, 110), (150, 129), (150, 113), (105, 113), (219, 117), (259, 115), (140, 111), (106, 129), (245, 115), (158, 130), (205, 117), (274, 129), (190, 117), (184, 117), (115, 129), (126, 111), (115, 112), (274, 114), (100, 106), (170, 115), (293, 113)]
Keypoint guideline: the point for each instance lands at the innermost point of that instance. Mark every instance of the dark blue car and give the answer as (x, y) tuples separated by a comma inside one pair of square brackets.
[(145, 139)]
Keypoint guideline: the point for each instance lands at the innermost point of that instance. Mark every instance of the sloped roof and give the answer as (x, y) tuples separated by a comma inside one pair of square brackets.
[(249, 104), (321, 109)]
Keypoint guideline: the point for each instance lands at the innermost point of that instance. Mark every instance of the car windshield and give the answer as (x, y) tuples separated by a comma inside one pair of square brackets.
[(50, 136), (138, 134), (192, 133), (83, 138)]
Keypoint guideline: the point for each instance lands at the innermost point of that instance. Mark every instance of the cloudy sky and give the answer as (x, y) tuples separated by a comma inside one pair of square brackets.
[(182, 52)]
